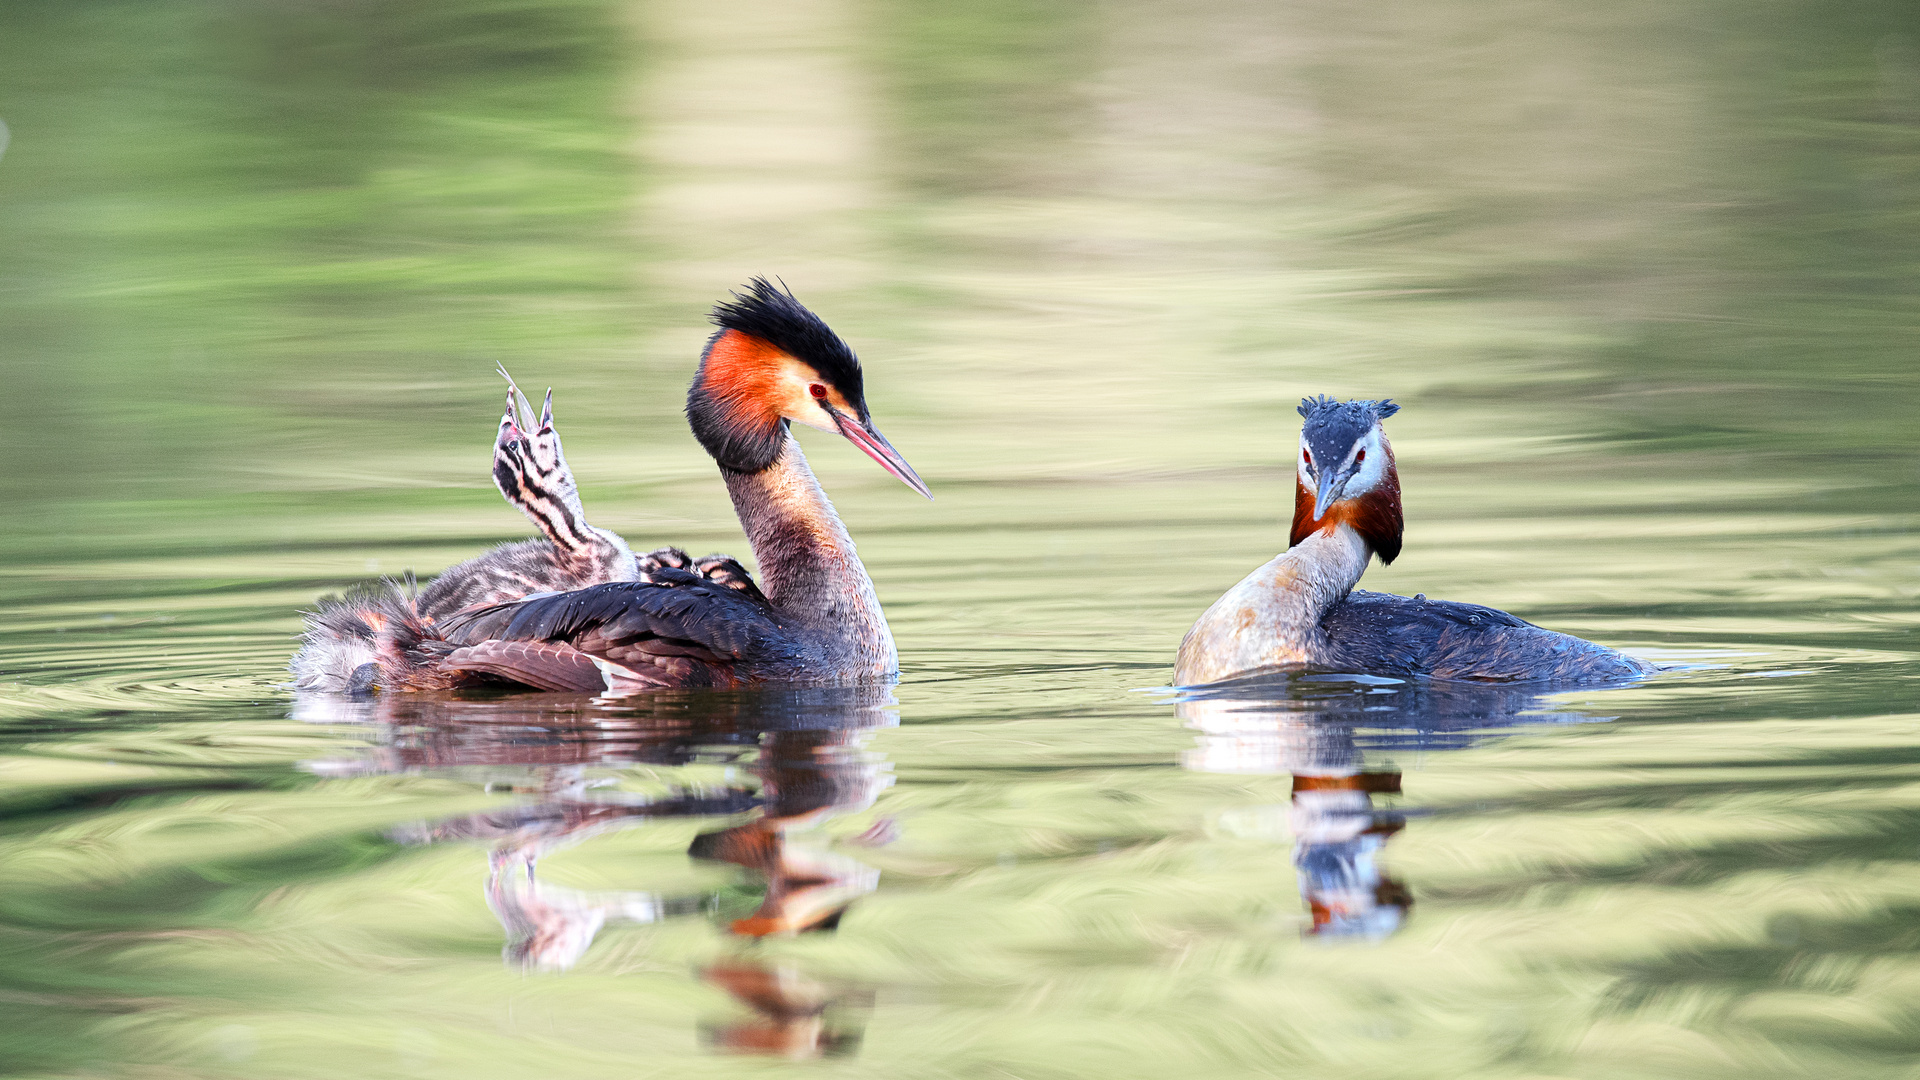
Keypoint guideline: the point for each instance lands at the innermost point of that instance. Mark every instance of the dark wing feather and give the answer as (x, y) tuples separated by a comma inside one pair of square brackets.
[(543, 665), (1387, 634), (669, 633)]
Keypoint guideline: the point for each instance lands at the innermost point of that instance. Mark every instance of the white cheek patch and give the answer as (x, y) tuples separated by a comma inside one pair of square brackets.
[(794, 391), (1300, 470), (1372, 470)]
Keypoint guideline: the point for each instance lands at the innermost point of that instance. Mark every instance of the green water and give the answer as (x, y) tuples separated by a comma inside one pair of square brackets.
[(1641, 275)]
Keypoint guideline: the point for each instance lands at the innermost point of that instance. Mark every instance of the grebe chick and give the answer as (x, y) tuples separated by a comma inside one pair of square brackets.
[(1300, 611), (343, 637), (531, 472), (530, 469), (771, 363)]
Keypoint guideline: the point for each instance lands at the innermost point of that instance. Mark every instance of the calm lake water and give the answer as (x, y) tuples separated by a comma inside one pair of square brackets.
[(1641, 275)]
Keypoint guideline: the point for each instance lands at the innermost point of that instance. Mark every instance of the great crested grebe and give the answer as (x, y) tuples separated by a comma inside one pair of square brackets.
[(1300, 609), (682, 623)]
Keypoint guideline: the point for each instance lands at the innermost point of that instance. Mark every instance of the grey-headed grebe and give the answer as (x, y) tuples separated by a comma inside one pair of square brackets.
[(1300, 610)]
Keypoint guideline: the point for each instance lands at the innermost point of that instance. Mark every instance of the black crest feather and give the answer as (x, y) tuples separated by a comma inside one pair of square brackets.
[(1333, 426), (771, 313), (1320, 405)]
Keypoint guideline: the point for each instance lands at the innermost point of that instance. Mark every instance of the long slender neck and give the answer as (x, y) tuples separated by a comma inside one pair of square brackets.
[(1324, 568), (1271, 619), (808, 566)]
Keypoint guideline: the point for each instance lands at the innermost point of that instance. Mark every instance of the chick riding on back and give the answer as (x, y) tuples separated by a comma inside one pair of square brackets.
[(521, 614)]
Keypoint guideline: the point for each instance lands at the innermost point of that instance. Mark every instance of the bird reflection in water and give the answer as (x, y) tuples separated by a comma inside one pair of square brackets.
[(1338, 736), (804, 750)]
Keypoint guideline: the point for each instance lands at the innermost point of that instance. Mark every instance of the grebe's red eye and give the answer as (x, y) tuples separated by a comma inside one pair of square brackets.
[(819, 392), (1306, 457), (1359, 457)]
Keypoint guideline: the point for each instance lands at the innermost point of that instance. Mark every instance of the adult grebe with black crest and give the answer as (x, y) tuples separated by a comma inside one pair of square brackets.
[(814, 616)]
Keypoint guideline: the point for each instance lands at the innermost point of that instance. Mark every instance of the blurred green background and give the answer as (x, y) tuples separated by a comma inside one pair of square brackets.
[(273, 251)]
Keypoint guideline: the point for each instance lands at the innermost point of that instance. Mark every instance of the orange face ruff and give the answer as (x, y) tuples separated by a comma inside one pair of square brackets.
[(1374, 514), (756, 384), (743, 371)]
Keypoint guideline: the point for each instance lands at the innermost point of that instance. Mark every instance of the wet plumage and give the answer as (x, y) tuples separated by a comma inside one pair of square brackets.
[(671, 621), (628, 636), (352, 637), (1300, 610), (1384, 634), (373, 631)]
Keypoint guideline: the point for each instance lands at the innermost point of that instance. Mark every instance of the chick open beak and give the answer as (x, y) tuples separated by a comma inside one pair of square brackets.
[(520, 415), (868, 438)]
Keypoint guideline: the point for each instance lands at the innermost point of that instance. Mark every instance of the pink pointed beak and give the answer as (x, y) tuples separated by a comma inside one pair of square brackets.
[(868, 438)]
